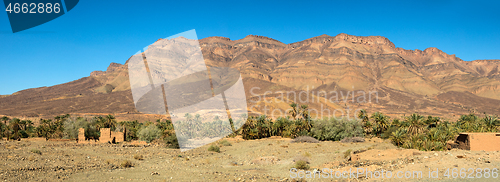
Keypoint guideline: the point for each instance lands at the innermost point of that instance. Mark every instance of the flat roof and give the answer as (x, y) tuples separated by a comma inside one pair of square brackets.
[(478, 133)]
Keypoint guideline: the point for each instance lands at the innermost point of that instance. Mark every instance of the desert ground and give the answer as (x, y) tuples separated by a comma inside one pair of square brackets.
[(245, 160)]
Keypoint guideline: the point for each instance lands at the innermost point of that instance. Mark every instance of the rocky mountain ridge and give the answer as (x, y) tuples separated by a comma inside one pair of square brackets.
[(429, 81)]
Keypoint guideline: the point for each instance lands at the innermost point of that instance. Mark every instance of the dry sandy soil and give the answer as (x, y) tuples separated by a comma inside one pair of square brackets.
[(252, 160)]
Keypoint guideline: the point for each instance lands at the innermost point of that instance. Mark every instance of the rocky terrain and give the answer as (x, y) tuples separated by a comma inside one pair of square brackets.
[(429, 81), (244, 160)]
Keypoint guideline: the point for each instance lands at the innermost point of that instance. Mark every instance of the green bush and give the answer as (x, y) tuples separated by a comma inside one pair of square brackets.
[(387, 133), (214, 148), (171, 141), (225, 143), (132, 129), (72, 125), (430, 134), (36, 151), (149, 133), (336, 130), (300, 164), (23, 134), (347, 153)]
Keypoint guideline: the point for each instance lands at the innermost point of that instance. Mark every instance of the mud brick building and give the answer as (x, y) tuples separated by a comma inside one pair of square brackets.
[(479, 141), (106, 136), (81, 135), (111, 136)]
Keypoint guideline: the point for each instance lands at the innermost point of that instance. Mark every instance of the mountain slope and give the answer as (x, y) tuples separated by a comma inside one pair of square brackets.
[(406, 81)]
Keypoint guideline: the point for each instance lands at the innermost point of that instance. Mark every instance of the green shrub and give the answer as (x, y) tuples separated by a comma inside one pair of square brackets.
[(214, 148), (225, 143), (72, 125), (347, 153), (387, 133), (132, 129), (262, 127), (23, 134), (149, 133), (300, 164), (335, 130), (171, 141), (36, 151)]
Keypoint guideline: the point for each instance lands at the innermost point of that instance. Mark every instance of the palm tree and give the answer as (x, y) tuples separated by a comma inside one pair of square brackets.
[(15, 125), (278, 127), (249, 130), (294, 110), (304, 112), (398, 136), (432, 121), (363, 116), (307, 119), (197, 117), (23, 124), (416, 125), (381, 122), (396, 123), (29, 122), (5, 119), (365, 122), (491, 123), (467, 122), (110, 121)]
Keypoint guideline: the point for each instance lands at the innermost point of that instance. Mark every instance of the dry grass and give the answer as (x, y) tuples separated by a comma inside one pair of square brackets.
[(301, 158), (307, 154), (225, 143), (126, 164), (36, 151), (138, 157), (305, 139), (352, 140)]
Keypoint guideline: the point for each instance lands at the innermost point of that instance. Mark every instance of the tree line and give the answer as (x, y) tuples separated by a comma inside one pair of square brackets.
[(414, 132)]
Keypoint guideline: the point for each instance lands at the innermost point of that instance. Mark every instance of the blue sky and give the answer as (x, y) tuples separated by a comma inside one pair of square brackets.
[(98, 32)]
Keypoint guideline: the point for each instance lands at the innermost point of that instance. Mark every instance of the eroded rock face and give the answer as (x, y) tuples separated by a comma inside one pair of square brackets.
[(353, 61), (348, 61), (427, 81)]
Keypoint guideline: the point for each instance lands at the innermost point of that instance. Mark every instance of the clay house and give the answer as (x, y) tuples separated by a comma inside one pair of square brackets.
[(478, 141)]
